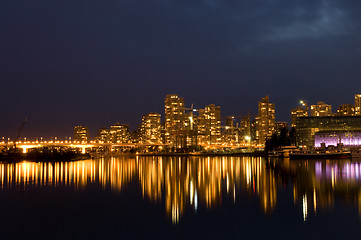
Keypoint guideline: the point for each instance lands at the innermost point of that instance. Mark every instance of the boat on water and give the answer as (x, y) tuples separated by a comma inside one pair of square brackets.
[(320, 155)]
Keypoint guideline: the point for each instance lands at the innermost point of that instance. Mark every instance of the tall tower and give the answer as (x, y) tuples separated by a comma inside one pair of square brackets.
[(266, 115), (151, 128), (357, 104), (209, 124), (174, 118)]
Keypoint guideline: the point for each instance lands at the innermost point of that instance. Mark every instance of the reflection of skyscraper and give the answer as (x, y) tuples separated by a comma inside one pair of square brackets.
[(357, 104), (266, 115), (174, 118), (81, 134)]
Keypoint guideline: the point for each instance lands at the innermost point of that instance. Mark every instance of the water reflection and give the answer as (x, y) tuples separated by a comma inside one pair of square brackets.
[(182, 183)]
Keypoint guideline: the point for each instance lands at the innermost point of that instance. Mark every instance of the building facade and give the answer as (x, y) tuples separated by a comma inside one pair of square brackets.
[(119, 133), (308, 127), (151, 129), (346, 110), (296, 113), (280, 126), (358, 104), (334, 138), (266, 117), (103, 135), (321, 110), (209, 125), (81, 134), (174, 120)]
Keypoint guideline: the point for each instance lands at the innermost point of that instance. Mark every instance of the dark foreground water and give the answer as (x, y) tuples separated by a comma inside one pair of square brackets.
[(181, 198)]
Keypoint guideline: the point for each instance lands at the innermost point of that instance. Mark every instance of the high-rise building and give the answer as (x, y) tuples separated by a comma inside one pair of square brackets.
[(357, 104), (326, 128), (81, 134), (245, 129), (296, 113), (321, 110), (266, 115), (209, 125), (103, 135), (255, 129), (151, 129), (119, 133), (230, 134), (346, 110), (174, 119), (279, 126)]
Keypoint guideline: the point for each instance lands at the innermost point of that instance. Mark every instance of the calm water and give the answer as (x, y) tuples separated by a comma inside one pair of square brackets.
[(181, 198)]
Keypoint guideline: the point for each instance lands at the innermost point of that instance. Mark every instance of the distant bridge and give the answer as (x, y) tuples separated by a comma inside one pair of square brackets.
[(28, 145)]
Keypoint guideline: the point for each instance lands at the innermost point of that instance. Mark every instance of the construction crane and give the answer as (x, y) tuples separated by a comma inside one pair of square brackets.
[(18, 133), (191, 117), (304, 103)]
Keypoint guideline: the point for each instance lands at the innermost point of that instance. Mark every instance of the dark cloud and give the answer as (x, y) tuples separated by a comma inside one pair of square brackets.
[(98, 62)]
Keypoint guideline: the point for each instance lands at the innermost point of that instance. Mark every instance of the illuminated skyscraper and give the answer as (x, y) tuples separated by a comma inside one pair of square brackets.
[(321, 110), (103, 135), (174, 118), (151, 129), (230, 132), (357, 104), (266, 115), (209, 125), (245, 128), (81, 134), (296, 113), (346, 110), (119, 133)]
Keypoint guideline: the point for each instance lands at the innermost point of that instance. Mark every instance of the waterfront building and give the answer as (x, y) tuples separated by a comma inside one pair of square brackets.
[(358, 104), (81, 134), (308, 127), (266, 117), (209, 125), (190, 133), (296, 113), (174, 119), (103, 135), (346, 110), (334, 138), (321, 110), (119, 133), (245, 128), (230, 132), (255, 129), (151, 129)]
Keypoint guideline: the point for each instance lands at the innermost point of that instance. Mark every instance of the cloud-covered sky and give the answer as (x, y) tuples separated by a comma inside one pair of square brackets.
[(94, 63)]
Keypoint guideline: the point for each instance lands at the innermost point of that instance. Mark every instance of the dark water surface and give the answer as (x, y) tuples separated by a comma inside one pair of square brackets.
[(181, 198)]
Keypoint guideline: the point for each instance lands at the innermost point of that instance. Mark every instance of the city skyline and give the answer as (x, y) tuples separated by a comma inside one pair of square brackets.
[(266, 111), (91, 63)]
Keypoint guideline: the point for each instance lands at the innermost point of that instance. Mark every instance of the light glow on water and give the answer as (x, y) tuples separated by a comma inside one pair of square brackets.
[(198, 183)]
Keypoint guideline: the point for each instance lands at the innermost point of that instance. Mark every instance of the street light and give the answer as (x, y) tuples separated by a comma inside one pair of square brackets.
[(248, 138)]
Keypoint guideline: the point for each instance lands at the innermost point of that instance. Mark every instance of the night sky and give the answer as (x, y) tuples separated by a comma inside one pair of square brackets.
[(94, 63)]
